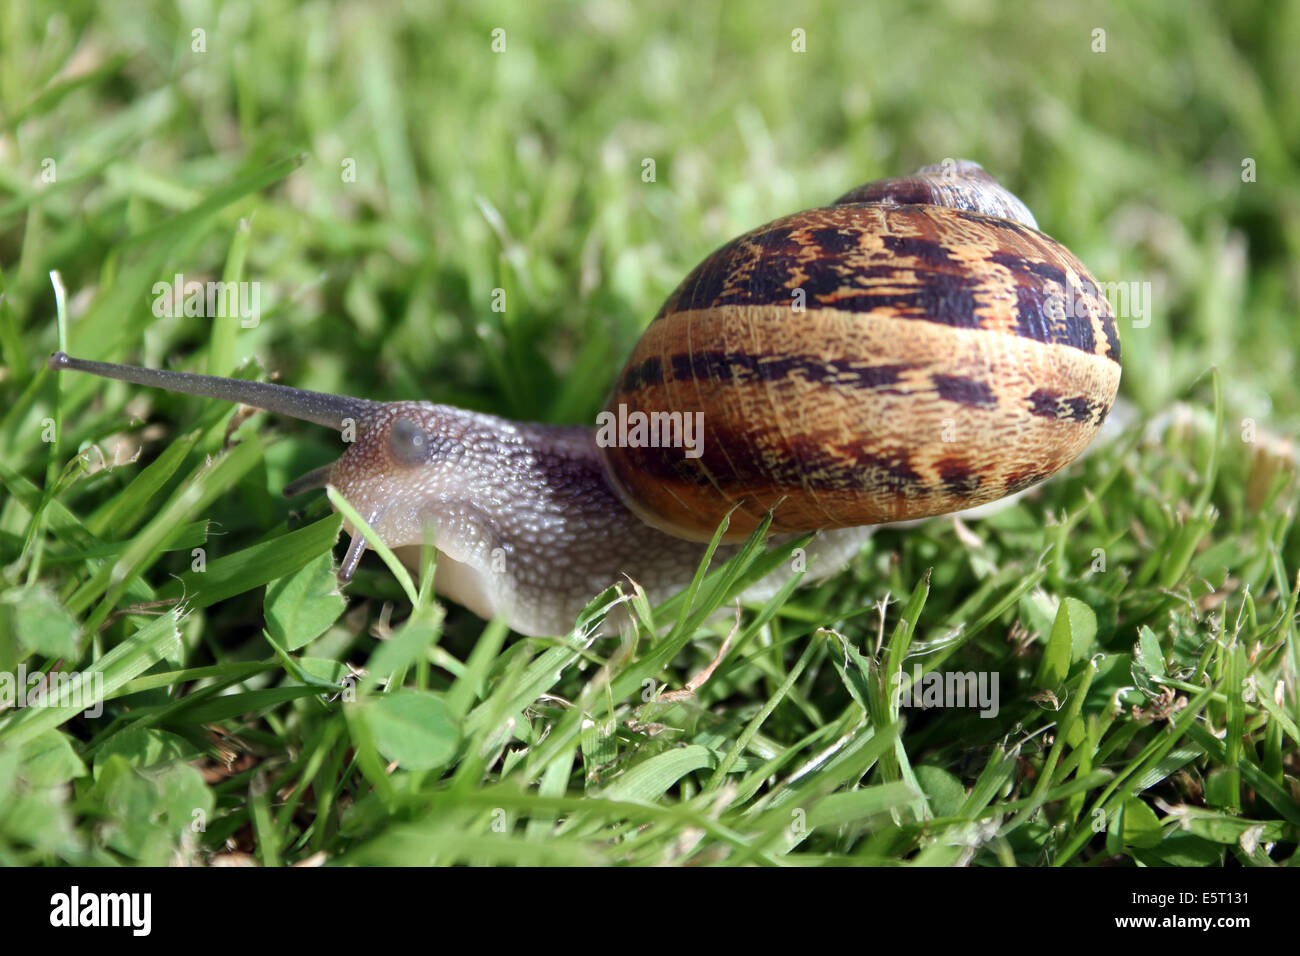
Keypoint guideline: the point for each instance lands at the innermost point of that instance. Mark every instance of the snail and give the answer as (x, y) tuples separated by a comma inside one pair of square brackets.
[(915, 348)]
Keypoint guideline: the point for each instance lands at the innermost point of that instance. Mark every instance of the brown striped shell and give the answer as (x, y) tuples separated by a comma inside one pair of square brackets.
[(919, 347)]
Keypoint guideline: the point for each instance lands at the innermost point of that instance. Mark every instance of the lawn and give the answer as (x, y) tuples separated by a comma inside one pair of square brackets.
[(483, 205)]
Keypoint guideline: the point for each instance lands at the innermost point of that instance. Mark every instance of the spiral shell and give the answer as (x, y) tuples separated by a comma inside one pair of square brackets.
[(916, 348)]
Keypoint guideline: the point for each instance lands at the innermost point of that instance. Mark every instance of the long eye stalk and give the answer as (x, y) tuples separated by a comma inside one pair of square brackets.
[(332, 411)]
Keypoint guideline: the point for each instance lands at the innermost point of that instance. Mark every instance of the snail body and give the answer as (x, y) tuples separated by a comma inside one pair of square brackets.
[(916, 348)]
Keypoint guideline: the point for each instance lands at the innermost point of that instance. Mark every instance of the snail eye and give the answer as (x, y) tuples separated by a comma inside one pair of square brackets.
[(408, 443)]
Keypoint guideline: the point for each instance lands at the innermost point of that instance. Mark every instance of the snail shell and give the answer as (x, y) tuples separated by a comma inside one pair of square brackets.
[(916, 348)]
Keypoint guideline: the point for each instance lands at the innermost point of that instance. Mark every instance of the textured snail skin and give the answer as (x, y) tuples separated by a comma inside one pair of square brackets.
[(927, 373), (527, 527)]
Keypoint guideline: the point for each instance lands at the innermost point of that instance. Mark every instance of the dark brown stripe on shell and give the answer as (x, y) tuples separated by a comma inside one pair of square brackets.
[(958, 476), (1023, 479), (1045, 403), (964, 390), (807, 465), (842, 259), (740, 368), (649, 372), (787, 264)]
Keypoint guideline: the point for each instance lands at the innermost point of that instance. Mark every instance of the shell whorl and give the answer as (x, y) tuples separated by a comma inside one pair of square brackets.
[(875, 360), (956, 183)]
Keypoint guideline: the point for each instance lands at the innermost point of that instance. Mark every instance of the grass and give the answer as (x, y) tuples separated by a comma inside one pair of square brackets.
[(380, 173)]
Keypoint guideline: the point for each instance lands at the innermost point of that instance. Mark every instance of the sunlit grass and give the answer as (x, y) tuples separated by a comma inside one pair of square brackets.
[(380, 175)]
